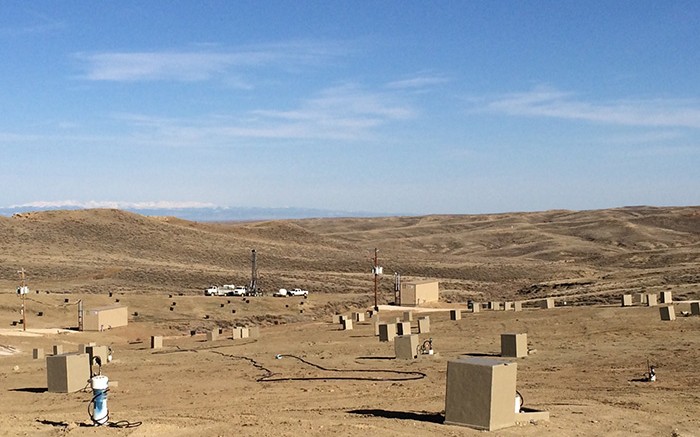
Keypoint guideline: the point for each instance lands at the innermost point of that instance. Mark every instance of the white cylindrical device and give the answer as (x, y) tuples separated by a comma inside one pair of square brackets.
[(100, 414)]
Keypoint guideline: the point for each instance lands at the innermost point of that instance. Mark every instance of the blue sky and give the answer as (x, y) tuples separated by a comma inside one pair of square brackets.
[(394, 107)]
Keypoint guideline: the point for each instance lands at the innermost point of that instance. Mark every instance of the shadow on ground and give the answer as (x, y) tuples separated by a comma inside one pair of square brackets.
[(31, 389), (387, 414)]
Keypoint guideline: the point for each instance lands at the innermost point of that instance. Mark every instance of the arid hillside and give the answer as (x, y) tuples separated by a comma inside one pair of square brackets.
[(589, 255), (307, 375)]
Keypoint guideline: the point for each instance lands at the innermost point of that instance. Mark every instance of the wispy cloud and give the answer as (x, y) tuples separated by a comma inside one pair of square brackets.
[(549, 102), (204, 63), (417, 82), (344, 113), (38, 23), (163, 204)]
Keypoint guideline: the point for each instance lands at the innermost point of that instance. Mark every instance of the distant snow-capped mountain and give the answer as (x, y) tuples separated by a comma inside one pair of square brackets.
[(202, 213)]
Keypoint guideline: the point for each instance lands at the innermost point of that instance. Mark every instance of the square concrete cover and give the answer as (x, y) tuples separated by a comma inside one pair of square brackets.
[(666, 297), (424, 325), (667, 313), (406, 347), (359, 317), (213, 335), (480, 393), (97, 351), (347, 324), (455, 315), (156, 342), (387, 331), (651, 299), (67, 373), (514, 345), (626, 300), (695, 308), (403, 328)]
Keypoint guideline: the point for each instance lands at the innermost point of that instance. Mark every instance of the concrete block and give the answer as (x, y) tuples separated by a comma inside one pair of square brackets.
[(407, 316), (640, 298), (67, 373), (626, 300), (236, 333), (495, 306), (245, 332), (476, 307), (97, 351), (455, 314), (666, 297), (423, 325), (38, 353), (514, 345), (81, 348), (667, 312), (358, 317), (376, 326), (695, 308), (651, 300), (547, 303), (336, 318), (347, 325), (387, 331), (343, 317), (57, 349), (213, 335), (403, 328), (156, 342), (406, 347), (507, 306), (480, 393), (518, 306)]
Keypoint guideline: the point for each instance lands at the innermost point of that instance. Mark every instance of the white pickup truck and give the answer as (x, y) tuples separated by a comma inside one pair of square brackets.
[(298, 292), (225, 290)]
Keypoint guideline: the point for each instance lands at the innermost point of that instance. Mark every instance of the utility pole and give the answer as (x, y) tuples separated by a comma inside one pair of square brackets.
[(22, 290), (397, 288), (254, 273)]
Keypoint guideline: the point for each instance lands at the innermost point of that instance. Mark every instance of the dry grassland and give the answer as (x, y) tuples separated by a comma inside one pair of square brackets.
[(589, 354)]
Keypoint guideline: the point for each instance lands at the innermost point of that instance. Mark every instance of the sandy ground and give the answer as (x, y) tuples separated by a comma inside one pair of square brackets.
[(584, 369)]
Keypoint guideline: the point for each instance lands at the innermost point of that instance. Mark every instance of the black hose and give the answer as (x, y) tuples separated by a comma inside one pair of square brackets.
[(268, 375)]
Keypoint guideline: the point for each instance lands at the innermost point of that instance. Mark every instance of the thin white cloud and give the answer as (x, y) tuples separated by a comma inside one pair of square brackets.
[(37, 24), (163, 204), (422, 81), (340, 113), (548, 102), (663, 151), (203, 64)]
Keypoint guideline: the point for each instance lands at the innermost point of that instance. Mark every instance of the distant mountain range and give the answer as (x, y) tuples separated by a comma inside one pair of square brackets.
[(210, 214)]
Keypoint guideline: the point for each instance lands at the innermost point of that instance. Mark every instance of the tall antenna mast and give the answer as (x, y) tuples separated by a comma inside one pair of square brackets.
[(254, 272), (23, 290)]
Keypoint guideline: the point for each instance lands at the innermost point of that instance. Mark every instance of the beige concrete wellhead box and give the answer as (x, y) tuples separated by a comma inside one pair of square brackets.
[(102, 318), (416, 293)]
